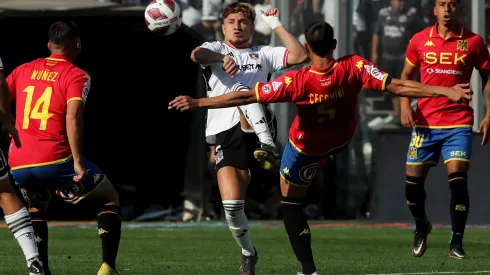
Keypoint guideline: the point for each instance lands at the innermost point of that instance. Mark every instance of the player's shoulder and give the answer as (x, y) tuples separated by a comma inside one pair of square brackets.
[(350, 59), (467, 34), (384, 11), (215, 45), (422, 35)]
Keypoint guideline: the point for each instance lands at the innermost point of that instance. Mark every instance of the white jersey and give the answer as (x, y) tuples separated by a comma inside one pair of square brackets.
[(254, 65)]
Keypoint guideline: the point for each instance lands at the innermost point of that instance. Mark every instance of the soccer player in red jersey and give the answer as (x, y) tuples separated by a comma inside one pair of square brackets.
[(446, 54), (16, 215), (326, 96), (50, 95)]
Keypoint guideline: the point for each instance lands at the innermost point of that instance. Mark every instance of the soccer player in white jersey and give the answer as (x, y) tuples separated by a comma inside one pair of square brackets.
[(16, 215), (225, 64)]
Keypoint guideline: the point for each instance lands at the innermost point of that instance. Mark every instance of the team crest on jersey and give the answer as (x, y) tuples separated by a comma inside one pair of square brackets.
[(288, 81), (254, 56), (403, 19), (462, 45), (276, 85), (266, 89)]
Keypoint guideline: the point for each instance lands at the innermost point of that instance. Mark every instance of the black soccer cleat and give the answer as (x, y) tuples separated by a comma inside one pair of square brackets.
[(419, 244), (248, 264), (268, 157), (457, 252), (36, 268)]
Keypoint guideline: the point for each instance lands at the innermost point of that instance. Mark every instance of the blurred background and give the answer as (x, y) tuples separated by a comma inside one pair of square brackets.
[(160, 161)]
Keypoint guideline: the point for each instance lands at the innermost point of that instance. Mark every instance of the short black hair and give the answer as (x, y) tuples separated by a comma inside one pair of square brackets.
[(319, 36), (63, 31), (435, 2)]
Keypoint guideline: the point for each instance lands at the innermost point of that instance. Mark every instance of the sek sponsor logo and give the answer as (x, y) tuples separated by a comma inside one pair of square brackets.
[(442, 71)]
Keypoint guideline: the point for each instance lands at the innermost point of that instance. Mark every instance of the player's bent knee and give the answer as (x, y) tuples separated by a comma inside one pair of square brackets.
[(5, 186), (106, 193), (418, 170), (292, 190)]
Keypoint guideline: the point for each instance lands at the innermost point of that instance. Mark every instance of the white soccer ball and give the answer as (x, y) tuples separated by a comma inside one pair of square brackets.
[(163, 16)]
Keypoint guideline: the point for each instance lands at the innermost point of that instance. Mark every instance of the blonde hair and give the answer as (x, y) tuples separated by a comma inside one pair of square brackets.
[(239, 7)]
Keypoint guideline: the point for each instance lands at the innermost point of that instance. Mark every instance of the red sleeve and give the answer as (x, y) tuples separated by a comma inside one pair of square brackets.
[(12, 81), (281, 89), (370, 76), (483, 57), (78, 87), (412, 54)]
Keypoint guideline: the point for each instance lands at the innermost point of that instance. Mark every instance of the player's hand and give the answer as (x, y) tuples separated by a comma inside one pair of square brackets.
[(229, 65), (484, 127), (271, 18), (407, 116), (8, 126), (80, 171), (183, 103), (459, 92)]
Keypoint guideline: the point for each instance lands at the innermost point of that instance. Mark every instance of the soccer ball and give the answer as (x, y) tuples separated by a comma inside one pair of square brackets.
[(163, 16)]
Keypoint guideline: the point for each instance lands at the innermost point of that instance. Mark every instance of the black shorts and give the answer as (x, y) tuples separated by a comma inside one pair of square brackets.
[(4, 170), (231, 149)]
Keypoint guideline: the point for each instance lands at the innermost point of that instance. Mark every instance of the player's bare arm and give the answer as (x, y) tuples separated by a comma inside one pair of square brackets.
[(8, 121), (74, 129), (485, 123), (407, 113), (297, 53), (184, 103), (205, 56), (409, 88)]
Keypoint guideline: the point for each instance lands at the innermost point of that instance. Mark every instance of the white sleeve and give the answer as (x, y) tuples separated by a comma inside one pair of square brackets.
[(277, 56), (1, 64), (214, 46)]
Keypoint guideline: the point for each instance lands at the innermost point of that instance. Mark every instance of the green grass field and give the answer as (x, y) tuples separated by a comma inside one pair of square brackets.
[(211, 250)]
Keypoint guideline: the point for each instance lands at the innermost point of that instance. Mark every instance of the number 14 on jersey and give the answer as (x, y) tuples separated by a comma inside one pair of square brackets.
[(38, 112)]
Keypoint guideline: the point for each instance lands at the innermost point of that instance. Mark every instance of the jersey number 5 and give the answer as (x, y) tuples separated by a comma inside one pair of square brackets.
[(324, 111), (37, 112)]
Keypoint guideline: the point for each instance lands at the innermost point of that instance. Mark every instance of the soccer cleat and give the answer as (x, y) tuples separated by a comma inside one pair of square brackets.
[(105, 269), (419, 245), (36, 268), (248, 264), (268, 157), (457, 253), (314, 273)]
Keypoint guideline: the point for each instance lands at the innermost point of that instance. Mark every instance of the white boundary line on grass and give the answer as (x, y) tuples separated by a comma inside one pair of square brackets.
[(434, 272)]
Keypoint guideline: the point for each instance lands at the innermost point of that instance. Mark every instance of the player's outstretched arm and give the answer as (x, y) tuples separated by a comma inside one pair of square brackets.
[(184, 103), (409, 88)]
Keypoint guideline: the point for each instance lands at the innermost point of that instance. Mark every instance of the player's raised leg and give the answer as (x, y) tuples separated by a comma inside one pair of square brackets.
[(256, 116), (19, 222), (423, 152), (456, 151), (297, 171)]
